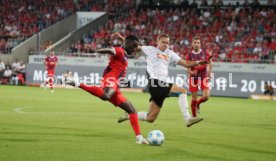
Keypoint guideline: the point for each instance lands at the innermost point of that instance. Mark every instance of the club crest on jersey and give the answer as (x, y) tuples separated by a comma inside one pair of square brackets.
[(164, 57)]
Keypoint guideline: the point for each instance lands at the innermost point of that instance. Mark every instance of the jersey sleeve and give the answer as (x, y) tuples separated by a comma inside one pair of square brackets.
[(174, 58), (119, 52)]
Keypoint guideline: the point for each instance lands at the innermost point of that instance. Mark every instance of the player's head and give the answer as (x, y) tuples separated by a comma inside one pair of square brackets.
[(163, 41), (52, 53), (196, 43), (131, 44)]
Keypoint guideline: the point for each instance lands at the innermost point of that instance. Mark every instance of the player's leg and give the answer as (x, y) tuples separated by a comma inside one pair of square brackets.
[(103, 93), (183, 106), (182, 101), (152, 113), (158, 95), (205, 92), (119, 100), (204, 98), (159, 91), (50, 79), (194, 107), (193, 88)]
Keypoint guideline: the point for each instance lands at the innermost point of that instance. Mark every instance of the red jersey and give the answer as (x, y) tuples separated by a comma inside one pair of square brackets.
[(117, 63), (51, 62), (201, 69)]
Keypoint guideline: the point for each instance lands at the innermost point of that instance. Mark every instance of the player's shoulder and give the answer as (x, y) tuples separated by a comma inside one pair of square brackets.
[(148, 47), (118, 49), (171, 52)]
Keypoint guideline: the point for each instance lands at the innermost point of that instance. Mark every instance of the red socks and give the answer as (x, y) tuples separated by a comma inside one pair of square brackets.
[(51, 82), (94, 90), (194, 107), (133, 118)]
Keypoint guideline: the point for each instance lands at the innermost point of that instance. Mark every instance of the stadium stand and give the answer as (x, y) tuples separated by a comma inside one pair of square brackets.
[(243, 33), (231, 33), (20, 19)]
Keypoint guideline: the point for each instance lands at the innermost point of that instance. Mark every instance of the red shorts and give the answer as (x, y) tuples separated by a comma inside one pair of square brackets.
[(110, 81), (50, 72), (195, 83)]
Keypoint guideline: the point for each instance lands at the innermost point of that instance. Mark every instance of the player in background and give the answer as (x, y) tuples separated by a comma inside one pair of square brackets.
[(199, 75), (50, 63), (158, 60), (109, 89)]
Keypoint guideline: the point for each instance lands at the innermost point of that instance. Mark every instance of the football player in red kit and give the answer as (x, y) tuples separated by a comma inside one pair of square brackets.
[(50, 63), (109, 88), (199, 75)]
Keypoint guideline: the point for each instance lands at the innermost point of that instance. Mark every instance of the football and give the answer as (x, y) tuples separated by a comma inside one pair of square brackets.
[(156, 137)]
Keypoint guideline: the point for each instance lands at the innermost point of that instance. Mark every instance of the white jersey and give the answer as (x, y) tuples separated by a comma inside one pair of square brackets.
[(158, 62)]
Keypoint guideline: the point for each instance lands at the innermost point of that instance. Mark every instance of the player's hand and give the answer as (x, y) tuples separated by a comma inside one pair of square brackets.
[(116, 35), (203, 62), (193, 72)]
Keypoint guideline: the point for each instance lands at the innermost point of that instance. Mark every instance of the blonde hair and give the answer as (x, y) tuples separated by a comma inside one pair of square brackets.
[(163, 36)]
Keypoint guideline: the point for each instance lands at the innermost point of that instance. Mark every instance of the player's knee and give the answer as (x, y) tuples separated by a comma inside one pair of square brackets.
[(105, 97), (150, 119)]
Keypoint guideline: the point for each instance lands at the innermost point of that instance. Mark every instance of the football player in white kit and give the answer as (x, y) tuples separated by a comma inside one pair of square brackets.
[(158, 60)]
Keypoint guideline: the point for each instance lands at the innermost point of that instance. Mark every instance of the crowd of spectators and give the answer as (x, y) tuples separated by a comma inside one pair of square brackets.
[(232, 34), (13, 74), (20, 19)]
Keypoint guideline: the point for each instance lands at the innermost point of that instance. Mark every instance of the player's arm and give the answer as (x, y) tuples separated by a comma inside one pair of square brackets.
[(118, 36), (110, 51), (189, 64), (191, 72)]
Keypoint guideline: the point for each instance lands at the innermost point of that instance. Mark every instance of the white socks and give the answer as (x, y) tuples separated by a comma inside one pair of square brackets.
[(142, 116), (183, 106)]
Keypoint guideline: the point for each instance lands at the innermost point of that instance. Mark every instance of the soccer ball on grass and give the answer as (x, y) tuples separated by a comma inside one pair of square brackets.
[(156, 137)]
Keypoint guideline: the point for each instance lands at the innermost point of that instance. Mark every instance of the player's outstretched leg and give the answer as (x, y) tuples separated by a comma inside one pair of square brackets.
[(184, 107), (94, 90)]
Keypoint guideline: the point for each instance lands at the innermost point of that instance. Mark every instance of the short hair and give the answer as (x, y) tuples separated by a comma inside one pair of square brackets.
[(196, 38), (132, 37), (163, 36)]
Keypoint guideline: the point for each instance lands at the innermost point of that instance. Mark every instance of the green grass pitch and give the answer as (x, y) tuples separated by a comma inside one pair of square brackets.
[(71, 125)]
